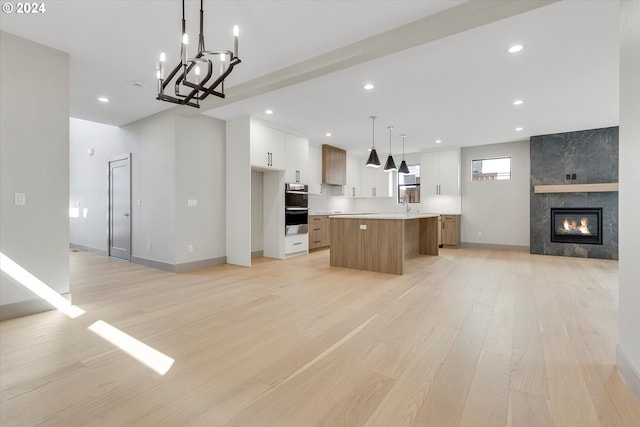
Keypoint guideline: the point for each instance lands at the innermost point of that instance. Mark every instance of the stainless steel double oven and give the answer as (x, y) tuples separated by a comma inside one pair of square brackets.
[(296, 208)]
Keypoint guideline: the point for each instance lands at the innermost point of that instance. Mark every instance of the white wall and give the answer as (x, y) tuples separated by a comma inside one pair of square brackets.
[(200, 168), (173, 159), (256, 211), (34, 152), (89, 180), (497, 209), (151, 142), (629, 198)]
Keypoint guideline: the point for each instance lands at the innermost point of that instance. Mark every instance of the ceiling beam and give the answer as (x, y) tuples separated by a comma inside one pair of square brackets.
[(464, 17)]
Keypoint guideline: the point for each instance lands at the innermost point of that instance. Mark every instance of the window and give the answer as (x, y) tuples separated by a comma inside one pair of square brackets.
[(409, 185), (491, 169)]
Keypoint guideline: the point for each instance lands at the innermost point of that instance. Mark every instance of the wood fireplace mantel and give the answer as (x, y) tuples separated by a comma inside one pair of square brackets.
[(576, 188)]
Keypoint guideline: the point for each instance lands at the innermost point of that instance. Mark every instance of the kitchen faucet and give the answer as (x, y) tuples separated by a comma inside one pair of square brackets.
[(405, 200)]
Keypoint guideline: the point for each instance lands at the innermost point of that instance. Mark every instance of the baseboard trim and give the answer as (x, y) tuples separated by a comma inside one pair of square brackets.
[(196, 265), (496, 247), (88, 249), (180, 268), (26, 308), (294, 254), (257, 254), (628, 371)]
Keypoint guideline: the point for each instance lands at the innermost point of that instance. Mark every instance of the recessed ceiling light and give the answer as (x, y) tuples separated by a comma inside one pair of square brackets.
[(268, 111), (328, 134), (368, 86), (515, 48), (438, 141), (518, 129), (103, 99), (518, 102)]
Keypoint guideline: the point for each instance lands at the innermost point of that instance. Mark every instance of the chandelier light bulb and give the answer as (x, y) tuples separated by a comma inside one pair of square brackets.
[(163, 57), (223, 57), (185, 39), (236, 33)]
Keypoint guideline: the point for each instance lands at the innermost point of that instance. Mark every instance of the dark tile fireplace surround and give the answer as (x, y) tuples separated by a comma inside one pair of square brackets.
[(582, 157)]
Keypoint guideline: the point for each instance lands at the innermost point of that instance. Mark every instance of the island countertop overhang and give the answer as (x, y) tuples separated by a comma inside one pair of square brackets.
[(392, 216)]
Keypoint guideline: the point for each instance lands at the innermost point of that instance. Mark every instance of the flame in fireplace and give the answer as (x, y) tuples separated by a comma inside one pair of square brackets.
[(570, 225)]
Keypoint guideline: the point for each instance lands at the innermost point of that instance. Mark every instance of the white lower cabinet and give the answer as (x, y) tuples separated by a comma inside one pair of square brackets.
[(297, 244)]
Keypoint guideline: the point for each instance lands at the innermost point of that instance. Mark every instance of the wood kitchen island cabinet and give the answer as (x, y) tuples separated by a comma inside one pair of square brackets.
[(381, 242)]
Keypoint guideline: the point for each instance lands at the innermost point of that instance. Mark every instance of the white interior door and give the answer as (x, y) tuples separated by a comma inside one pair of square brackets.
[(120, 209)]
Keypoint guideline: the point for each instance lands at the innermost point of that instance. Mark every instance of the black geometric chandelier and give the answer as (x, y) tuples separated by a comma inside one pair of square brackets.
[(196, 78)]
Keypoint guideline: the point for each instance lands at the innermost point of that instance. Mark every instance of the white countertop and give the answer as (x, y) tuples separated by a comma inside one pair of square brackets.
[(400, 216), (338, 213)]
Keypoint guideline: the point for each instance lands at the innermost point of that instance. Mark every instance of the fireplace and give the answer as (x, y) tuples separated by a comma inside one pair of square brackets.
[(576, 225)]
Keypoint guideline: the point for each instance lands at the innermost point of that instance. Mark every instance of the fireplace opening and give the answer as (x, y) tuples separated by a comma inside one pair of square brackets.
[(576, 225)]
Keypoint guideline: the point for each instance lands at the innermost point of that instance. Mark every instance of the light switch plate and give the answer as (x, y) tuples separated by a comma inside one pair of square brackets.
[(363, 226), (20, 199)]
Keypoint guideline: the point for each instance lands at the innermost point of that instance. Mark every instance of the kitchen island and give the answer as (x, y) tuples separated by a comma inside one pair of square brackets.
[(381, 242)]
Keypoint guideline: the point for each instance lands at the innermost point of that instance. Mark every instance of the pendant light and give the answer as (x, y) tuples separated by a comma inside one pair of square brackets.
[(404, 169), (390, 165), (373, 161)]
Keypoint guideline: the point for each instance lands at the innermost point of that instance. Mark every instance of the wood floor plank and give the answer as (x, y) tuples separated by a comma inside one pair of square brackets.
[(470, 337), (487, 403), (528, 410), (446, 399)]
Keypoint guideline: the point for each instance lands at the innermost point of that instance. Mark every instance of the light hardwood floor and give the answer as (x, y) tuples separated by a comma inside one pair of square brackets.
[(470, 338)]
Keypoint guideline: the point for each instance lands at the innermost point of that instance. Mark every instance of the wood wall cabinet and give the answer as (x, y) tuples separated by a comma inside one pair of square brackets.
[(319, 231), (334, 165), (450, 230)]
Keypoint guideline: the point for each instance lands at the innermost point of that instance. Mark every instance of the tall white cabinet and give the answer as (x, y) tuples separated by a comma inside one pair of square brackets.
[(252, 144), (440, 173), (297, 156), (314, 166)]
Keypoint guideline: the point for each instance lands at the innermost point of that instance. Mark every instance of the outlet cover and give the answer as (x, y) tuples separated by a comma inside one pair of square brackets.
[(20, 199), (192, 203)]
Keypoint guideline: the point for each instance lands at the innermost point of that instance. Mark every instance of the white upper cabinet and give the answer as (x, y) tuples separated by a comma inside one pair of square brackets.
[(440, 173), (374, 182), (354, 166), (297, 159), (267, 147), (314, 176)]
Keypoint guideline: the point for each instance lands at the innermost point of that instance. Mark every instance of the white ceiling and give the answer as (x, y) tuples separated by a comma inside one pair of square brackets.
[(458, 88)]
